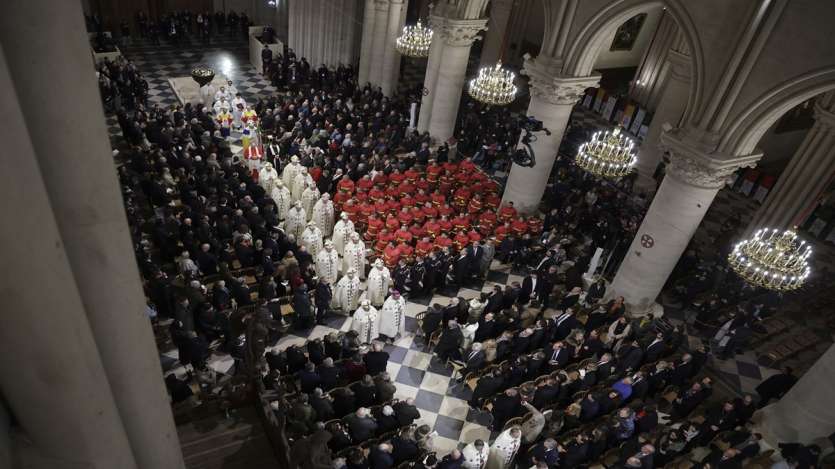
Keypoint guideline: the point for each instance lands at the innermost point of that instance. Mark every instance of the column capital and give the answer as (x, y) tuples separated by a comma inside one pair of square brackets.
[(382, 5), (824, 116), (696, 167), (461, 32), (546, 83)]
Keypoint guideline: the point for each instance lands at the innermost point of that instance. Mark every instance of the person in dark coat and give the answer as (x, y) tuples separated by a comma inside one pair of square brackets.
[(461, 268), (302, 307), (386, 421), (365, 391), (344, 402), (405, 446), (308, 378), (381, 457), (312, 452), (487, 386), (449, 343), (323, 295), (385, 388), (453, 460), (474, 360), (631, 357), (406, 412), (775, 387), (529, 285), (487, 328), (546, 393), (376, 360), (361, 425), (321, 403), (506, 406), (328, 374), (432, 320)]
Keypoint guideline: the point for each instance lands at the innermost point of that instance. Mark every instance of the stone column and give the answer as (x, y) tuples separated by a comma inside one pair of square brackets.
[(808, 173), (52, 377), (692, 180), (391, 56), (379, 40), (805, 413), (494, 41), (552, 100), (433, 64), (670, 108), (60, 102), (458, 37), (366, 59), (650, 78)]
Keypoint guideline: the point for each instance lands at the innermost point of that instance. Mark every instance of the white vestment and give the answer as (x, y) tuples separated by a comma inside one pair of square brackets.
[(299, 185), (468, 331), (378, 285), (282, 199), (237, 112), (288, 175), (347, 294), (310, 195), (312, 240), (354, 257), (365, 323), (327, 265), (296, 220), (342, 232), (473, 458), (393, 317), (267, 178), (503, 451), (323, 216)]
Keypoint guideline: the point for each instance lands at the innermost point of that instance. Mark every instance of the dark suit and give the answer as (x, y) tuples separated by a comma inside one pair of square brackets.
[(504, 408), (375, 362), (561, 357), (545, 395), (565, 326), (329, 377), (404, 450), (361, 428), (448, 344), (486, 387), (309, 380), (380, 459), (654, 351), (405, 413), (526, 291), (486, 330)]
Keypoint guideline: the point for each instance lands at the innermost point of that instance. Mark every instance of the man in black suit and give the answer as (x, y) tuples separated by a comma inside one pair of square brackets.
[(321, 403), (474, 360), (566, 322), (376, 360), (605, 367), (405, 447), (776, 386), (328, 374), (560, 355), (361, 425), (494, 300), (487, 386), (655, 349), (461, 269), (486, 328), (449, 343), (406, 412), (682, 370), (546, 393), (381, 456), (432, 320), (322, 297), (529, 286), (308, 378), (631, 357), (474, 254), (545, 286), (507, 405), (547, 261)]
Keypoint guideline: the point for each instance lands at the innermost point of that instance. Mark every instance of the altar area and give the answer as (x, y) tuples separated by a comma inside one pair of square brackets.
[(188, 91)]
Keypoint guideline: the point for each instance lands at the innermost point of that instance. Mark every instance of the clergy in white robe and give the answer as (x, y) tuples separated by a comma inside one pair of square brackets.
[(281, 197), (300, 183), (323, 214), (288, 175), (393, 316), (475, 455), (347, 293), (238, 106), (295, 221), (267, 177), (504, 449), (327, 263), (312, 239), (378, 283), (342, 232), (310, 196), (354, 255), (365, 322)]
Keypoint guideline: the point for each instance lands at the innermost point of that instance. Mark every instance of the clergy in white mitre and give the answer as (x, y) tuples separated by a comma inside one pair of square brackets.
[(365, 322), (347, 294), (288, 175), (327, 263), (267, 177), (342, 232), (295, 221), (354, 255), (504, 449), (475, 455), (311, 238), (378, 283), (281, 197), (393, 316), (323, 213), (310, 196), (300, 183)]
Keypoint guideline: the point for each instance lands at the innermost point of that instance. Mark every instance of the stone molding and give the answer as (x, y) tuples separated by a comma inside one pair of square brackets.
[(698, 168), (546, 84), (824, 116), (461, 32)]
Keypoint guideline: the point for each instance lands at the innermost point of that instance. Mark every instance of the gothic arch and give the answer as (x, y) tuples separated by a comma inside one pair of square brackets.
[(587, 45), (748, 127)]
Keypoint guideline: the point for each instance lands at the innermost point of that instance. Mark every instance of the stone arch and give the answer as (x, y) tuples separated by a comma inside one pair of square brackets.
[(591, 40), (748, 127)]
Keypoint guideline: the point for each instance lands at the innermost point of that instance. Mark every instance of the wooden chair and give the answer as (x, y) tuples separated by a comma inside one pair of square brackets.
[(434, 339), (514, 422)]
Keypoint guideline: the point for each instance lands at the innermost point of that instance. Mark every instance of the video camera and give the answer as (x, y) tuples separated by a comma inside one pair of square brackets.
[(526, 157)]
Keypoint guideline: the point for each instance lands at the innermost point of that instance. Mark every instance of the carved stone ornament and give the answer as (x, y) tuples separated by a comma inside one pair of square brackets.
[(547, 85), (462, 32), (694, 167)]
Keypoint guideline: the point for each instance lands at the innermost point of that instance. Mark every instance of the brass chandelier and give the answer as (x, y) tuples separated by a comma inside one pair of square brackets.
[(772, 259), (493, 85), (415, 41), (609, 155)]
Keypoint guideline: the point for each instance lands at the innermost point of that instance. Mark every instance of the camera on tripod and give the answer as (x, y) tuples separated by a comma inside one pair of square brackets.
[(525, 156)]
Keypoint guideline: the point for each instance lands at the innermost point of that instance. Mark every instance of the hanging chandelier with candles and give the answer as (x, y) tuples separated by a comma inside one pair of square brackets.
[(493, 85), (610, 154), (772, 259), (415, 41)]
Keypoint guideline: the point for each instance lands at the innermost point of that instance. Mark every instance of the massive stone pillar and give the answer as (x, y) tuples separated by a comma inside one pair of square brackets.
[(808, 173), (552, 100), (805, 413), (693, 178), (366, 44), (433, 64), (650, 79), (51, 375), (379, 41), (324, 31), (667, 115), (497, 24), (391, 58), (458, 37), (60, 103)]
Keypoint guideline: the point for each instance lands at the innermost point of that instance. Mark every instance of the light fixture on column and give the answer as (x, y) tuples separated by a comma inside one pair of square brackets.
[(415, 41), (493, 85), (772, 259), (610, 154)]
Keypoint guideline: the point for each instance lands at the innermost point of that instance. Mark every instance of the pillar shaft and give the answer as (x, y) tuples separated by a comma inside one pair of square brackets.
[(684, 196), (668, 113), (379, 42), (368, 18), (390, 60), (494, 41), (324, 31), (552, 100), (458, 37), (805, 413), (433, 65), (650, 79), (73, 151), (808, 173)]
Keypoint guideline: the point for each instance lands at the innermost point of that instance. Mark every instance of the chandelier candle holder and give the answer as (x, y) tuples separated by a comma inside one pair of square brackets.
[(415, 41), (772, 259), (610, 154), (493, 85)]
